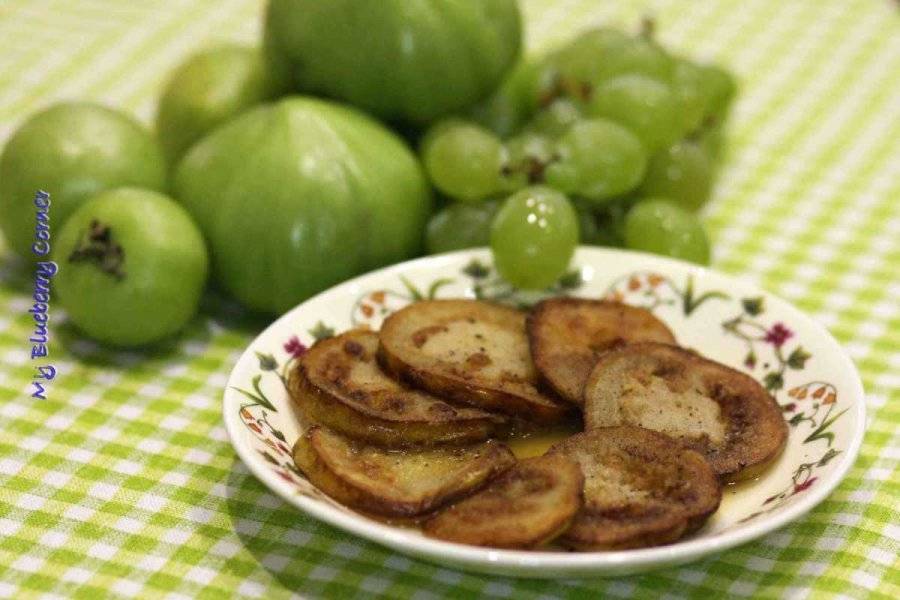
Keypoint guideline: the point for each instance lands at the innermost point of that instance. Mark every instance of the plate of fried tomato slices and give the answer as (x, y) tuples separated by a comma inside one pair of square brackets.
[(641, 413)]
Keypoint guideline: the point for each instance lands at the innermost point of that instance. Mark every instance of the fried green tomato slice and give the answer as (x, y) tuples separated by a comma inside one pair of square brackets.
[(397, 483), (338, 383), (527, 506)]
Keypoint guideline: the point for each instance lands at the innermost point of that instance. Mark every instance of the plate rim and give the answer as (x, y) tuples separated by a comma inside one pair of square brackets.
[(476, 556)]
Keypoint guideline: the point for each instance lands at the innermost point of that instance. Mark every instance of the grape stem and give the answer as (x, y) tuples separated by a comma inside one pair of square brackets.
[(566, 87), (648, 27)]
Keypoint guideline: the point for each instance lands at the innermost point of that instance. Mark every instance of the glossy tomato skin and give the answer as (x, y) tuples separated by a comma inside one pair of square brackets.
[(296, 196), (72, 150), (132, 267), (406, 60), (209, 88)]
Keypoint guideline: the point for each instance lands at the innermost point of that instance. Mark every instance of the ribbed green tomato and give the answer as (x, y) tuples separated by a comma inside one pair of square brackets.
[(298, 195), (132, 267), (72, 150), (209, 88), (399, 59)]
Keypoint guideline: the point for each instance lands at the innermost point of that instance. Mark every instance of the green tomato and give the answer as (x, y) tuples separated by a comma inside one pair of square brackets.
[(533, 237), (132, 267), (72, 151), (662, 227), (682, 173), (401, 60), (209, 88), (460, 225), (296, 196)]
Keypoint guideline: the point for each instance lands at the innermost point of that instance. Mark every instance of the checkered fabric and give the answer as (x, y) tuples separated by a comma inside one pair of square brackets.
[(122, 482)]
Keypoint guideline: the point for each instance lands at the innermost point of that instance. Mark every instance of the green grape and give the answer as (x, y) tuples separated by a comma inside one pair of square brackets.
[(720, 89), (592, 58), (639, 55), (460, 225), (527, 156), (543, 85), (534, 236), (554, 120), (567, 72), (463, 160), (597, 159), (582, 61), (646, 106), (662, 227), (504, 111), (682, 173), (688, 84), (529, 146), (583, 57)]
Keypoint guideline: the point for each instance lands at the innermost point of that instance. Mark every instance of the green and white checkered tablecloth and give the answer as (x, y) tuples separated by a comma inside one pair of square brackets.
[(122, 482)]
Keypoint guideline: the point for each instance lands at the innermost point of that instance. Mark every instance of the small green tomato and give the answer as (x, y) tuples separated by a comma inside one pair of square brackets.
[(132, 267), (209, 88)]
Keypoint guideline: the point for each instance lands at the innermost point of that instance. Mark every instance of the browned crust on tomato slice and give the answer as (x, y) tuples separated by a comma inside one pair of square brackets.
[(339, 383), (471, 352), (567, 335), (396, 483), (722, 413), (641, 489), (531, 504)]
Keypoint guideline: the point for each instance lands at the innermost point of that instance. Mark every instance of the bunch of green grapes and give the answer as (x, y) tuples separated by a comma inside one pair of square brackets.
[(609, 140)]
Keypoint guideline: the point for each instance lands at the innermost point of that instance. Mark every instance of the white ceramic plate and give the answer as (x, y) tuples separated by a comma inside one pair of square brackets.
[(810, 376)]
